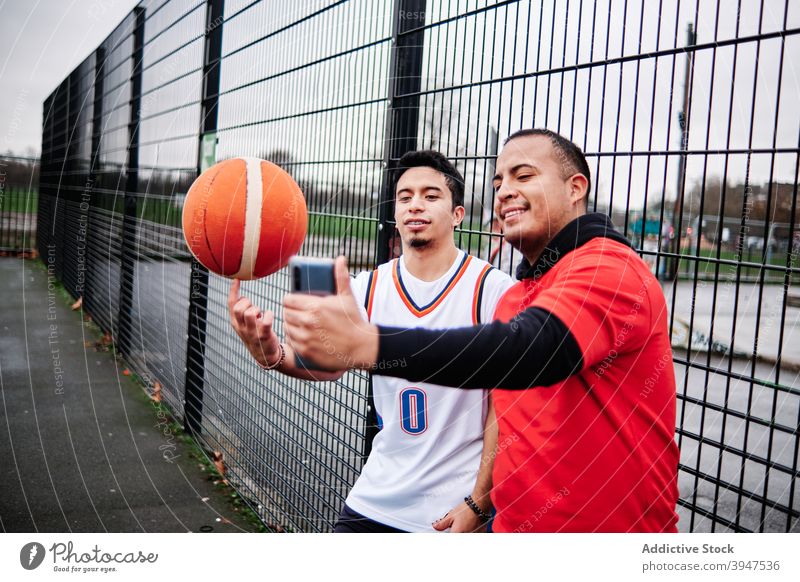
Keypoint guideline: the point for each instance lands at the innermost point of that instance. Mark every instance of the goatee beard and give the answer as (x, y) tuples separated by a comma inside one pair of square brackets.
[(419, 243)]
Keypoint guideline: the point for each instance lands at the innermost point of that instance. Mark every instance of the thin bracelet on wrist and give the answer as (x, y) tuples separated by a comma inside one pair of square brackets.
[(474, 507), (279, 362)]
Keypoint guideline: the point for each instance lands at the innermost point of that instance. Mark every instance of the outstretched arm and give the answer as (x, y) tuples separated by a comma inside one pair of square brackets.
[(254, 327), (536, 349)]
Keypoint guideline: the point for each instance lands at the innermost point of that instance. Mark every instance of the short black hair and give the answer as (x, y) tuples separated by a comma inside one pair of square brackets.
[(569, 155), (440, 163)]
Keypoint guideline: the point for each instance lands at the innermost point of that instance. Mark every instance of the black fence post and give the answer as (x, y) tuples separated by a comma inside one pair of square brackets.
[(55, 250), (128, 259), (44, 214), (402, 129), (88, 197), (680, 192), (97, 106), (198, 297), (402, 117), (97, 118)]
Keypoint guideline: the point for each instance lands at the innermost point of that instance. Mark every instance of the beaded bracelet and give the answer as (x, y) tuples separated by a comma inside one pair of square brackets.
[(278, 363), (474, 507)]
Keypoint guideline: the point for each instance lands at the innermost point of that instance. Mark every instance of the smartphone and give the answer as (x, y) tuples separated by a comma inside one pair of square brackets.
[(313, 276)]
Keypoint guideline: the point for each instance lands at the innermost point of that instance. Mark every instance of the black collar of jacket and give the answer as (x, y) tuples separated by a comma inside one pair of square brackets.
[(574, 235)]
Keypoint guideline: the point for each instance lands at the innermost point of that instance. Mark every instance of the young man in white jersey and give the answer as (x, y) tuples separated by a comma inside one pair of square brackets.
[(434, 453)]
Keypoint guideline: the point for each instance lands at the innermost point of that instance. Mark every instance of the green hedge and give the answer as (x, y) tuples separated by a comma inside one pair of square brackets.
[(24, 201)]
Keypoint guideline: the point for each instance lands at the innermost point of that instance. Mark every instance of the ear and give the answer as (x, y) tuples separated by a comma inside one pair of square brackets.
[(577, 184), (458, 215)]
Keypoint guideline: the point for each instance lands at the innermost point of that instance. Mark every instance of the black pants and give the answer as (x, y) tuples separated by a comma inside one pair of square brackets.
[(353, 522)]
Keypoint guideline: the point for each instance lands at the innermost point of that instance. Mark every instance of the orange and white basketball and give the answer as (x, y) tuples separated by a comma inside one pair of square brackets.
[(244, 218)]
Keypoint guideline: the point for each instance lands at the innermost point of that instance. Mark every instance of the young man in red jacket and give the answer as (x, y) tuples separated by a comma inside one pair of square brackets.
[(580, 354)]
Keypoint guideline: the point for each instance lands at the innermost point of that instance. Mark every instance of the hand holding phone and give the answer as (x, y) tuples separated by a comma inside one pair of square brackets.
[(316, 277)]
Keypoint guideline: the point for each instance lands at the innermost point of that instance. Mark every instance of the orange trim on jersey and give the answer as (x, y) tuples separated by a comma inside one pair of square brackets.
[(409, 302), (476, 298), (373, 283)]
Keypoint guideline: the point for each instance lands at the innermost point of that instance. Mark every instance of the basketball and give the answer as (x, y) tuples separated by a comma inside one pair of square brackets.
[(243, 218)]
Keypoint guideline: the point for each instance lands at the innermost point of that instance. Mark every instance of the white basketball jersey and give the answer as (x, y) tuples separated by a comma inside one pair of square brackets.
[(426, 456)]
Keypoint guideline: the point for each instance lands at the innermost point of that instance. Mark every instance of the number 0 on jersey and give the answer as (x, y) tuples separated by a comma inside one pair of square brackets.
[(413, 411)]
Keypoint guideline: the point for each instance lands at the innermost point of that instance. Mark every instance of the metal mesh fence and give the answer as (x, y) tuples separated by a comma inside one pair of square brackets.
[(685, 111), (301, 87)]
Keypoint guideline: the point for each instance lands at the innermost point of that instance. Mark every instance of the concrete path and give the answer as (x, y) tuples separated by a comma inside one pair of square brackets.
[(82, 449), (750, 308)]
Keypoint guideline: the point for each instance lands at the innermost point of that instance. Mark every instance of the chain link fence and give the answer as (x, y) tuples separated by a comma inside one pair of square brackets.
[(686, 113)]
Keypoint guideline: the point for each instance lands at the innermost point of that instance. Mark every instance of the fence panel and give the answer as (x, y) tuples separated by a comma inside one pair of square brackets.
[(169, 116), (700, 172), (304, 87), (113, 99), (53, 159)]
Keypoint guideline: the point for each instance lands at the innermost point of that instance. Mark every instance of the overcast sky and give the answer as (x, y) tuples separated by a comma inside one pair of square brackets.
[(41, 41)]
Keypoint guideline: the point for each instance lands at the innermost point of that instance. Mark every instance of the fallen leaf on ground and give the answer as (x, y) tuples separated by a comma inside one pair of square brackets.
[(219, 463), (156, 397)]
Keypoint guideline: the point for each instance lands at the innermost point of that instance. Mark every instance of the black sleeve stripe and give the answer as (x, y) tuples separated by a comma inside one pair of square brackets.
[(535, 349)]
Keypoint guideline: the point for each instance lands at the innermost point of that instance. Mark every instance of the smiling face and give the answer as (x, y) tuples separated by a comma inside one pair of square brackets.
[(423, 208), (535, 194)]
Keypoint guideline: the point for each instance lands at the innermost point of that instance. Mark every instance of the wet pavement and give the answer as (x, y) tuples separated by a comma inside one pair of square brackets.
[(82, 448)]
